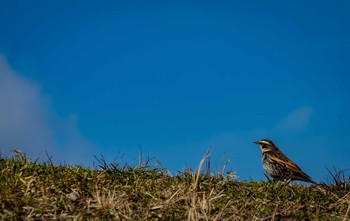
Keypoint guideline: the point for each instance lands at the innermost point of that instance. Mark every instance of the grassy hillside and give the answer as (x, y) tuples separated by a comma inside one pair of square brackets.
[(43, 191)]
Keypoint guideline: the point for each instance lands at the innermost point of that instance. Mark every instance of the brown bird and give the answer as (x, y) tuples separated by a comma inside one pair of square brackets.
[(278, 166)]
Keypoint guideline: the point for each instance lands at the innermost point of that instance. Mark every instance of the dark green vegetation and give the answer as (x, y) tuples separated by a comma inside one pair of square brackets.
[(43, 191)]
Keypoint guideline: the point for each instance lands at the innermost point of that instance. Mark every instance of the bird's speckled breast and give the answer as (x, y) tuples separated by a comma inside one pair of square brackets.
[(269, 166)]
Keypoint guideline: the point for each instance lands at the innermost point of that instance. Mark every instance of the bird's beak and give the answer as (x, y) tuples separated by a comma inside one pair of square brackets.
[(256, 142)]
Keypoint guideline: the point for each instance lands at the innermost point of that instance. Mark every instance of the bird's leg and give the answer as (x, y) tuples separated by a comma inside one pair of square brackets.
[(287, 181)]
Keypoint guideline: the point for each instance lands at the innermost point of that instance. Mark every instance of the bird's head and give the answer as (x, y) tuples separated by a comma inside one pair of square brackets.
[(266, 145)]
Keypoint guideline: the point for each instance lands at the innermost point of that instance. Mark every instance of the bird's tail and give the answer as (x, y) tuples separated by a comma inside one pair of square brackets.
[(304, 177)]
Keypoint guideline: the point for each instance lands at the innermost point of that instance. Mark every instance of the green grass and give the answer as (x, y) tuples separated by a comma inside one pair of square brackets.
[(43, 191)]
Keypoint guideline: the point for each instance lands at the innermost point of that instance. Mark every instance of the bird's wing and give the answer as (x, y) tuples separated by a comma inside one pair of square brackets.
[(286, 163)]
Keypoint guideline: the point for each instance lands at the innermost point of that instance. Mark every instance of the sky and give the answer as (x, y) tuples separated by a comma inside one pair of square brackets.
[(172, 79)]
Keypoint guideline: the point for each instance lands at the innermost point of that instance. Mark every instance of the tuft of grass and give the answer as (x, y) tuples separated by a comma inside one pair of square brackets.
[(30, 190)]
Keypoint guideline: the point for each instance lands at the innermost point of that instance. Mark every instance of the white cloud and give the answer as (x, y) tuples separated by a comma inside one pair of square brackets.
[(28, 122), (295, 121)]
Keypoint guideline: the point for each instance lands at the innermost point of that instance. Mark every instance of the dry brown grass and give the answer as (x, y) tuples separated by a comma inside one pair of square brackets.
[(43, 191)]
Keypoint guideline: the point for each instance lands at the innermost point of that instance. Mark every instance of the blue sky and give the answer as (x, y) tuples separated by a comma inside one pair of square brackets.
[(173, 78)]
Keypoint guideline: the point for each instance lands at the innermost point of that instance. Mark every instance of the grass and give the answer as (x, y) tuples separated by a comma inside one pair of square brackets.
[(43, 191)]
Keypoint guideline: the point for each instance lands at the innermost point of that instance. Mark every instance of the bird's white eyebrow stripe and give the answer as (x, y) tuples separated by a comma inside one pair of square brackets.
[(264, 142)]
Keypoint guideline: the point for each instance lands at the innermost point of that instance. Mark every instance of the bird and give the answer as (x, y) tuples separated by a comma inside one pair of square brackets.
[(278, 165)]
